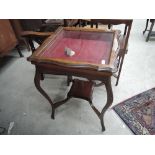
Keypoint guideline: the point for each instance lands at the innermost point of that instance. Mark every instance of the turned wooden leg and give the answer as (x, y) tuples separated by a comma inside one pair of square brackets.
[(147, 21), (37, 79), (26, 44), (31, 44), (97, 25), (109, 101), (19, 51), (125, 29), (120, 69), (69, 79), (150, 31)]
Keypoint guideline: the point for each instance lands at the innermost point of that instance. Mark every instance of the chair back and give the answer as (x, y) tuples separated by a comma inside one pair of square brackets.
[(123, 39), (31, 24), (110, 22)]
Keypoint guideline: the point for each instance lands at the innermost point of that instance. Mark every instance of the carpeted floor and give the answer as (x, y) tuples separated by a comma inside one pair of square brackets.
[(138, 112)]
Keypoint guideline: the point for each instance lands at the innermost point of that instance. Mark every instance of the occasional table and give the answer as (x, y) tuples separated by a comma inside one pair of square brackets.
[(96, 57)]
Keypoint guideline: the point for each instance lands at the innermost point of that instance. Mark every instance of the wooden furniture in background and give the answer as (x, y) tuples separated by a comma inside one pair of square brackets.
[(151, 33), (17, 30), (124, 37), (27, 30), (8, 39), (37, 30)]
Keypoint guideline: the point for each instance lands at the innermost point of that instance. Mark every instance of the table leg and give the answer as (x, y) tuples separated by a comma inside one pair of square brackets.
[(31, 45), (19, 51), (109, 101), (120, 68), (147, 21), (107, 83), (42, 76), (37, 79), (150, 31), (69, 79)]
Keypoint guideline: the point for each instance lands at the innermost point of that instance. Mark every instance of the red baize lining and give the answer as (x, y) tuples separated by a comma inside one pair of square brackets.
[(87, 49)]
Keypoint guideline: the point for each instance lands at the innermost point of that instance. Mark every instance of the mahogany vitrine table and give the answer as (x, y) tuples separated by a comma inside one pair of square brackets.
[(96, 58)]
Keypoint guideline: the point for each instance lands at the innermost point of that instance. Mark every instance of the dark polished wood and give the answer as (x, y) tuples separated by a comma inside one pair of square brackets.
[(19, 51), (151, 33), (29, 30), (81, 89), (17, 30), (8, 40), (123, 38), (147, 22), (37, 79), (92, 72), (29, 34), (69, 80), (84, 90), (91, 75)]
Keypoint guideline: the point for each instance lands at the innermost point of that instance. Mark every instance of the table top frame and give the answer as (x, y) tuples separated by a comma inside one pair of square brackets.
[(111, 67)]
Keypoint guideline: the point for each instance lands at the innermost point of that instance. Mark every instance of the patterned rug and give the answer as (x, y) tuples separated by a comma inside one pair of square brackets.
[(138, 112)]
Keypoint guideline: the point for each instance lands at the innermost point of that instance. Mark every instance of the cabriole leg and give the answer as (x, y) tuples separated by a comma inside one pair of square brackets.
[(109, 101), (37, 84)]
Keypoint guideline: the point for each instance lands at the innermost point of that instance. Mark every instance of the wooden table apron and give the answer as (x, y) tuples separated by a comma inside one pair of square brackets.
[(103, 76)]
